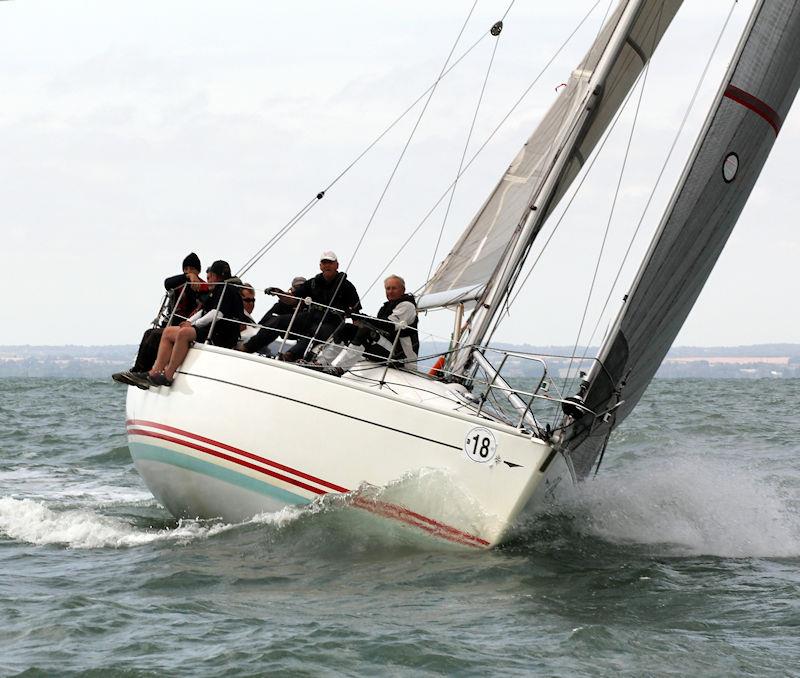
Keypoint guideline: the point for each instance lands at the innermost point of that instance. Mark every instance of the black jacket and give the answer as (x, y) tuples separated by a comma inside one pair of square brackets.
[(189, 299), (226, 331), (322, 291)]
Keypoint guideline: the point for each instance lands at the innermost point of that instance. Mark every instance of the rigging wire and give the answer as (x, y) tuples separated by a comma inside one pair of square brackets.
[(302, 212), (613, 206), (504, 119), (661, 171), (572, 198), (688, 110), (609, 220), (498, 27), (283, 230), (605, 16), (396, 166), (410, 137)]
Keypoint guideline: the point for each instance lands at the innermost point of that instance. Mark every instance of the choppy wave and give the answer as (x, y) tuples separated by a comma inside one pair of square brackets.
[(681, 557)]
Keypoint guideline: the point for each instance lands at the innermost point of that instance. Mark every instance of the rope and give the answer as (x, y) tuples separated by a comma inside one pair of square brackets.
[(495, 31)]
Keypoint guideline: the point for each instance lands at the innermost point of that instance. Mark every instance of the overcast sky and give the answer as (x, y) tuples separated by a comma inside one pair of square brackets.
[(134, 132)]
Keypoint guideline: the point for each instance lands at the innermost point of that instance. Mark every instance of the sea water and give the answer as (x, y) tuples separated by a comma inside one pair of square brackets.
[(682, 557)]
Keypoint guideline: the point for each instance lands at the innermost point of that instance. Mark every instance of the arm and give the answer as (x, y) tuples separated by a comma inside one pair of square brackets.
[(198, 284), (402, 316), (351, 300), (404, 312), (200, 319), (174, 281)]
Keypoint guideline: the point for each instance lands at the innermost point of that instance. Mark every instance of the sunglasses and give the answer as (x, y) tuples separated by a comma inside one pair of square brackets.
[(249, 300)]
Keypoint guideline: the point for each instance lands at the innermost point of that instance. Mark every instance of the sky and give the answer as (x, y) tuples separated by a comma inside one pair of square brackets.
[(132, 133)]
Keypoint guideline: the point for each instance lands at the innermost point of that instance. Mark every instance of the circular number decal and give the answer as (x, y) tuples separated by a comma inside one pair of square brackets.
[(729, 167), (480, 445)]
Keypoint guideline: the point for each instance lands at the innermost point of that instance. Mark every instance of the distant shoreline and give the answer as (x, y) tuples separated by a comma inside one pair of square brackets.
[(779, 360)]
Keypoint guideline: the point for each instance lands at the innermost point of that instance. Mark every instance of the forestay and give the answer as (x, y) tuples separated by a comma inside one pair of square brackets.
[(736, 139), (475, 258)]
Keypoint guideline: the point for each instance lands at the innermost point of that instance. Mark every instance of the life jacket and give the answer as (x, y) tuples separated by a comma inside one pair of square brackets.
[(410, 331)]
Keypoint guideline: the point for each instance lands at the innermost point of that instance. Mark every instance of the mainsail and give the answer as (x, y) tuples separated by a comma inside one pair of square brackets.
[(733, 146), (552, 157)]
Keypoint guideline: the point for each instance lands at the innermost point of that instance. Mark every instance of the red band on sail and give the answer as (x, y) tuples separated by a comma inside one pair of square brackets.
[(756, 105)]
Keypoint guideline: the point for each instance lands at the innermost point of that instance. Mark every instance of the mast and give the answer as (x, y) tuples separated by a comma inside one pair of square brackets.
[(734, 143), (599, 87)]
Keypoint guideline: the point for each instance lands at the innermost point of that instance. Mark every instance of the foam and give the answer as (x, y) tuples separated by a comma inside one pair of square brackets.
[(31, 521), (690, 504), (61, 485)]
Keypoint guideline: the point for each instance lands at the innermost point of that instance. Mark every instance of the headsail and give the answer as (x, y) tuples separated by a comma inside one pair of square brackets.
[(561, 143), (733, 146)]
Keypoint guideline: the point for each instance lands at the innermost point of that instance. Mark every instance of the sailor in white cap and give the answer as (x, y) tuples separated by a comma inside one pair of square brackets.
[(332, 296)]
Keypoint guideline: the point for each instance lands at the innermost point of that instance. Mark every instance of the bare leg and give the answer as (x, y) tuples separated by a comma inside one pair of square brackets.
[(164, 349), (186, 336)]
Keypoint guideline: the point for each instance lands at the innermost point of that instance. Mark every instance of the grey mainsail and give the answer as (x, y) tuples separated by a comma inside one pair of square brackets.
[(733, 146), (562, 141)]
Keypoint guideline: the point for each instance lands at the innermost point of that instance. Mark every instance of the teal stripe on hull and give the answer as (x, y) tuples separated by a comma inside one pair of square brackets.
[(143, 451)]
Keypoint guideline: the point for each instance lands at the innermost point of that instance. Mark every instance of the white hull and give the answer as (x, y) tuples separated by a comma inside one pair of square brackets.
[(238, 435)]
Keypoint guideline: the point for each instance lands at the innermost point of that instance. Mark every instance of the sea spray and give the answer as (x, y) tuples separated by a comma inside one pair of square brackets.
[(688, 504)]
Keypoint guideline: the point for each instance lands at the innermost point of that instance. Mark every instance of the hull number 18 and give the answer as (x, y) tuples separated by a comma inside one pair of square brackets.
[(480, 445)]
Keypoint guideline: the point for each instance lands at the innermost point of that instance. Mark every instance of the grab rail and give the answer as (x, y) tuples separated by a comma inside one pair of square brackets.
[(522, 401)]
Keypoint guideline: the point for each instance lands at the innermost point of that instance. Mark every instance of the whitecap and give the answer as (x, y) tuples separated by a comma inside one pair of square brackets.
[(31, 521)]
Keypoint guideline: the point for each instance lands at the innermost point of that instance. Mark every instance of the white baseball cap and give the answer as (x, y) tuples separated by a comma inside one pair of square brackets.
[(328, 256)]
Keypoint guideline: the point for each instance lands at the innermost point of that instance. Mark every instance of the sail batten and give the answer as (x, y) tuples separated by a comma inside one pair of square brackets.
[(733, 146)]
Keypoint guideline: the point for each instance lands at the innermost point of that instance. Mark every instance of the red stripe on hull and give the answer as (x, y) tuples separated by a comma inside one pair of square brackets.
[(756, 105), (423, 522), (244, 453), (384, 509), (226, 457)]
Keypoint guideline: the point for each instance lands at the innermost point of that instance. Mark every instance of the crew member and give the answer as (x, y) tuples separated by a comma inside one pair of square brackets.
[(222, 310), (374, 338), (332, 295), (185, 292)]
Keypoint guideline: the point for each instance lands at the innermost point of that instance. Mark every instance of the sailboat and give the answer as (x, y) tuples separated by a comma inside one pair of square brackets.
[(239, 434)]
